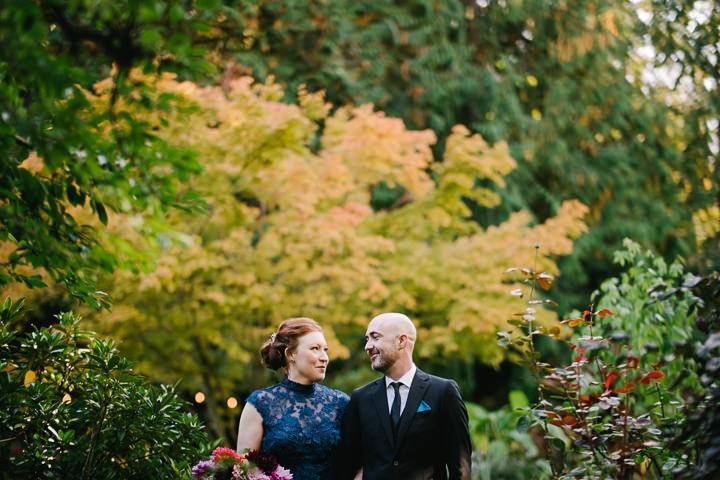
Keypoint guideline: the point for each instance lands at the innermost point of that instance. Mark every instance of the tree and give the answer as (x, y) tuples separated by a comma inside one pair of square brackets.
[(560, 83), (290, 231), (62, 150), (684, 39)]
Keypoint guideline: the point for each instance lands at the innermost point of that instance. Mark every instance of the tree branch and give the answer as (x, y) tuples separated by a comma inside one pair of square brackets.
[(23, 142)]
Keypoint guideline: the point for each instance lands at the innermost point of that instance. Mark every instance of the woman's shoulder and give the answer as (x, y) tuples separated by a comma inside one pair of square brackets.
[(266, 393), (335, 395)]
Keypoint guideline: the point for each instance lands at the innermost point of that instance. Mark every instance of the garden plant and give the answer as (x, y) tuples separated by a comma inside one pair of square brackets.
[(640, 368), (71, 407)]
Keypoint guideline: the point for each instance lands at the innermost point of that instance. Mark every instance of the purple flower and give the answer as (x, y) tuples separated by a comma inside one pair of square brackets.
[(257, 474), (202, 468), (281, 473)]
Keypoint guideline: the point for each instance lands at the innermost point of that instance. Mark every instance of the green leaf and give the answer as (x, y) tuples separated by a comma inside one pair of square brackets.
[(75, 196), (100, 210), (558, 436), (151, 37), (177, 13), (208, 4), (33, 281), (523, 424), (518, 399)]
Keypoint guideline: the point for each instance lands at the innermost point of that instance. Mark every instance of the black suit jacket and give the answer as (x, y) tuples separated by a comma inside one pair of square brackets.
[(432, 444)]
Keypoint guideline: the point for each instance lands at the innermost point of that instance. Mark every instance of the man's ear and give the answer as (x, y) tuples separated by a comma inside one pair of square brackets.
[(403, 341)]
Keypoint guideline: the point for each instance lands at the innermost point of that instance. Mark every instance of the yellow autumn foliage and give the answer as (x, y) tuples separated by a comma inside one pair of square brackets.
[(707, 223), (592, 32), (289, 231)]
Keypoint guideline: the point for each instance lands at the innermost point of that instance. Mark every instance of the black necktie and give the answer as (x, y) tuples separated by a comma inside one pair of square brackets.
[(395, 409)]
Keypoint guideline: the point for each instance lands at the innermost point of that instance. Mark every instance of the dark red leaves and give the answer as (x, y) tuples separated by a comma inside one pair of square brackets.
[(587, 317), (656, 375), (633, 361), (627, 388), (589, 399), (569, 420), (581, 354), (610, 379)]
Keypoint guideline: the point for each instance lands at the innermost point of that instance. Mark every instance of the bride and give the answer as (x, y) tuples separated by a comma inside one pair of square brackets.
[(297, 420)]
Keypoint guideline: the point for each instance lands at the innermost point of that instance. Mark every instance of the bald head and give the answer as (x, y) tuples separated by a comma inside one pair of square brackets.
[(393, 323)]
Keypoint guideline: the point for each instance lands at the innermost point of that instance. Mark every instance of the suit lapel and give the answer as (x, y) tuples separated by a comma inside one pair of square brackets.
[(381, 404), (417, 392)]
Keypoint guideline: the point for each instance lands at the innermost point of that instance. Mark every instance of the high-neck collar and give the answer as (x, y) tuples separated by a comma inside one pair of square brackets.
[(298, 387)]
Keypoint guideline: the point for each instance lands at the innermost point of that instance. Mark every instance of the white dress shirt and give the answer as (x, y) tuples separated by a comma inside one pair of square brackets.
[(405, 383)]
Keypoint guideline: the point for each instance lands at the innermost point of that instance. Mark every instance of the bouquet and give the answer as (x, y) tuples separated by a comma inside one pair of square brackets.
[(249, 465)]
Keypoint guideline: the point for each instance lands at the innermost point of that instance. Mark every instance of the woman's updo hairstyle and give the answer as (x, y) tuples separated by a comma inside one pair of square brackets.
[(285, 339)]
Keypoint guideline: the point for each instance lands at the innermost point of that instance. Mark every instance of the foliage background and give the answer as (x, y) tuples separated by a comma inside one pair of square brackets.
[(144, 167), (290, 232), (566, 84)]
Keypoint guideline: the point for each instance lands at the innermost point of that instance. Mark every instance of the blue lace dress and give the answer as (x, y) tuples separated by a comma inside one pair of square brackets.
[(301, 426)]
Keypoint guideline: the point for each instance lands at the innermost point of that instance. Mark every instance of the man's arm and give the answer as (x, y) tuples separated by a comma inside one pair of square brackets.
[(457, 436), (349, 458)]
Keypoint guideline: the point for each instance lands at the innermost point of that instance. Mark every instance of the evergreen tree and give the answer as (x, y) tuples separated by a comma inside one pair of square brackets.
[(559, 81)]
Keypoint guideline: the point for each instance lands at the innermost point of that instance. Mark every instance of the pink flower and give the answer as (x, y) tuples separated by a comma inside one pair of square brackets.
[(257, 474), (237, 472), (281, 473)]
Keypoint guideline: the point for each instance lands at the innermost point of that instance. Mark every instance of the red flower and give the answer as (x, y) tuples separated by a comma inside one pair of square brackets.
[(605, 313), (220, 454)]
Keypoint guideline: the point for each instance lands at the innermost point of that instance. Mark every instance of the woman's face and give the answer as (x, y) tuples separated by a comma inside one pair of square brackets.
[(307, 364)]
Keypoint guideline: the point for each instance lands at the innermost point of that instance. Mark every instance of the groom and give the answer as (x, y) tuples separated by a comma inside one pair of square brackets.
[(407, 424)]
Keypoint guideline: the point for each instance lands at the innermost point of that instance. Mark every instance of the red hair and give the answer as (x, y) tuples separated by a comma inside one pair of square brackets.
[(285, 339)]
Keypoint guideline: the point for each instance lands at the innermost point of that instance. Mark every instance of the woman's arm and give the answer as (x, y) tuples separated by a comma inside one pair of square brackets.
[(250, 429)]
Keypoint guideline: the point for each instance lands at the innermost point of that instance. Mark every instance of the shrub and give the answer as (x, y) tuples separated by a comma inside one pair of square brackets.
[(654, 307), (71, 407), (639, 373), (701, 432)]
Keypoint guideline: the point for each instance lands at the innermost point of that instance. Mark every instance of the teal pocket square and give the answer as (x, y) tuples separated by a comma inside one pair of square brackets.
[(424, 407)]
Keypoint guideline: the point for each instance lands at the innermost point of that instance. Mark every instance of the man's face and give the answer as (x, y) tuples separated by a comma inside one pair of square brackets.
[(381, 345)]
